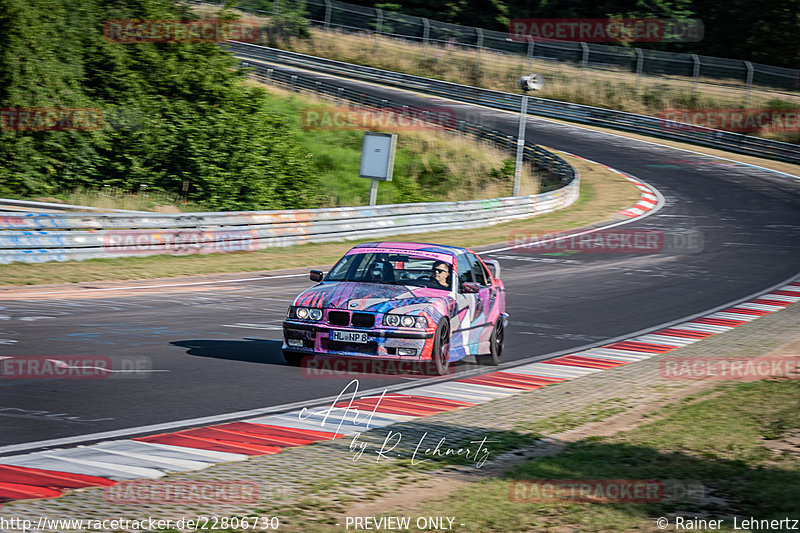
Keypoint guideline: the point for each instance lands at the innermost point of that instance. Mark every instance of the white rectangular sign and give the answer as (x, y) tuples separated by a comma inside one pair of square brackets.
[(377, 155)]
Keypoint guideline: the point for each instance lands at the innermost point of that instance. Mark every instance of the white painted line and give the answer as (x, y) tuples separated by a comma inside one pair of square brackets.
[(168, 452), (106, 456), (547, 370), (432, 392), (581, 369), (781, 297), (49, 461), (137, 287), (667, 339), (708, 328), (734, 316), (615, 355), (760, 307), (211, 456), (497, 392)]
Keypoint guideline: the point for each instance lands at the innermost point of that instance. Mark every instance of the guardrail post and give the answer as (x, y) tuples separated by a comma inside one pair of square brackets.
[(340, 94), (269, 74), (426, 32), (523, 111), (378, 27), (749, 82), (639, 66), (695, 73), (479, 32), (530, 52), (378, 21), (293, 80), (328, 8), (584, 59)]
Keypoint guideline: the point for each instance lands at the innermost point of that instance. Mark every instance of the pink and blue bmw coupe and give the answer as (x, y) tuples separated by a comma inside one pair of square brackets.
[(401, 301)]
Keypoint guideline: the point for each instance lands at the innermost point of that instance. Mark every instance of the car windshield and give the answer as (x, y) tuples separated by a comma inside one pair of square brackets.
[(394, 269)]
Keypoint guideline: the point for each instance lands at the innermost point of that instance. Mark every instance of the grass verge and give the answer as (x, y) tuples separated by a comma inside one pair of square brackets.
[(603, 193), (722, 455)]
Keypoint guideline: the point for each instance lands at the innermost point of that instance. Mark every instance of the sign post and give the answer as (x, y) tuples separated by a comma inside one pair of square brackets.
[(377, 160), (532, 82)]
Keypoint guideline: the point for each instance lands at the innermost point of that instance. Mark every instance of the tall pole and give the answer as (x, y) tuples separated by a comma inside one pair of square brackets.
[(373, 192), (520, 143)]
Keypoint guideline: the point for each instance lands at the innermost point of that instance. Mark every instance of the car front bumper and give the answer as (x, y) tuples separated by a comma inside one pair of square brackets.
[(381, 343)]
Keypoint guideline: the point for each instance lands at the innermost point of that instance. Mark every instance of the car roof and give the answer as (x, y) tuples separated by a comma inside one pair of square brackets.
[(410, 246)]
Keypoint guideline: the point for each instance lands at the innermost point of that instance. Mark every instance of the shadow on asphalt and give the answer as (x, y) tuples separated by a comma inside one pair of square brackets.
[(249, 350), (269, 352)]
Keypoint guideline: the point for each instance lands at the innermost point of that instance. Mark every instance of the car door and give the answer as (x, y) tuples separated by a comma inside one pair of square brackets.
[(485, 300), (463, 340)]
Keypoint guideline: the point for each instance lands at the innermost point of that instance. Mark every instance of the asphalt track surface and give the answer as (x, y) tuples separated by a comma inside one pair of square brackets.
[(215, 349)]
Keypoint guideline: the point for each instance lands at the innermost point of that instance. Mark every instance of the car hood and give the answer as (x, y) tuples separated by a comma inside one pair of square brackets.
[(376, 297)]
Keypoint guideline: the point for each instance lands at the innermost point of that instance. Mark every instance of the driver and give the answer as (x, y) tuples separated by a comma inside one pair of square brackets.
[(441, 274)]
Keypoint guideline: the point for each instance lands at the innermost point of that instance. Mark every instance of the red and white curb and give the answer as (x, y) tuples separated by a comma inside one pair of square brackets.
[(48, 474), (649, 200)]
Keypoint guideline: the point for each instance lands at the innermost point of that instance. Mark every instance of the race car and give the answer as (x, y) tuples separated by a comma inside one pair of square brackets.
[(401, 301)]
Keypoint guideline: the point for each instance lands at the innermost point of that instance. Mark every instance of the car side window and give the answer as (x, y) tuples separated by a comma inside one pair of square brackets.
[(479, 271), (464, 269)]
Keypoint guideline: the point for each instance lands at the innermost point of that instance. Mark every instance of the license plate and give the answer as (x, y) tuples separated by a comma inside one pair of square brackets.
[(348, 336)]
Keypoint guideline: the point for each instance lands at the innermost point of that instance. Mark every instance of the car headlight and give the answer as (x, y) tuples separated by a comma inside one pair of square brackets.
[(308, 313), (407, 321)]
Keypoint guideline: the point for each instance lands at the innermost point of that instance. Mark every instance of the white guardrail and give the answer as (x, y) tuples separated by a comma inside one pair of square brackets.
[(78, 236)]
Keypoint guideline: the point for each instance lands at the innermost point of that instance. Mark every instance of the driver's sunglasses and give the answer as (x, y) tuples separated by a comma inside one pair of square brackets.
[(441, 271)]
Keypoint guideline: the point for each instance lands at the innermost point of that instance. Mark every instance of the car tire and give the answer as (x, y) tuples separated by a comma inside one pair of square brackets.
[(440, 354), (292, 358), (495, 345)]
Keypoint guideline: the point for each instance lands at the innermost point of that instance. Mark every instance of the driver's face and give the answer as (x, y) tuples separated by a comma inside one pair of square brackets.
[(440, 273)]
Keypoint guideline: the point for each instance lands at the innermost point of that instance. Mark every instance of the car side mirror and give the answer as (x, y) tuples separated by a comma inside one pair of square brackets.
[(470, 287), (496, 265), (315, 275)]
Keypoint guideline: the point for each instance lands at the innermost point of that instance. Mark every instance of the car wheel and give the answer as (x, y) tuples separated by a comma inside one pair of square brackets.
[(495, 345), (292, 358), (440, 354)]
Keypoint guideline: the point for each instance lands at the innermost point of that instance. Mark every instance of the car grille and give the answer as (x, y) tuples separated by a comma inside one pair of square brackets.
[(363, 320), (339, 318), (359, 320)]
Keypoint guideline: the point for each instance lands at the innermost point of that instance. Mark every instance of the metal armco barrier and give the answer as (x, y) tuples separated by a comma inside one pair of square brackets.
[(42, 237), (642, 124), (227, 232)]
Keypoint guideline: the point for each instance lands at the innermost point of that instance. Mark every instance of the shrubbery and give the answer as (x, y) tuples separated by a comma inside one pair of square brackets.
[(176, 114)]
